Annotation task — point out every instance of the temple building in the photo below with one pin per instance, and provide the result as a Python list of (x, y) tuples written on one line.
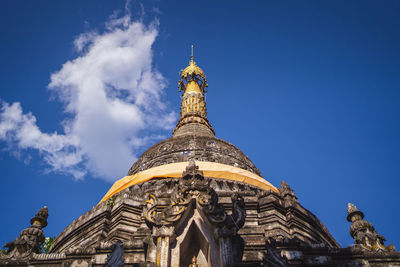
[(196, 200)]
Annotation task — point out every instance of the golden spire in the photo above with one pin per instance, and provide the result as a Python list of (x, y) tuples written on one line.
[(193, 85)]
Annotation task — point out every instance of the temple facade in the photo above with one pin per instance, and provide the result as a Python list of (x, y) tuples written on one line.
[(196, 200)]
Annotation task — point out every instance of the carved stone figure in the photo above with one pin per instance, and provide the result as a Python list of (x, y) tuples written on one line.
[(30, 239), (272, 256)]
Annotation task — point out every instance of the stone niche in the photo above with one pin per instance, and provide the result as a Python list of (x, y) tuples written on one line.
[(195, 239)]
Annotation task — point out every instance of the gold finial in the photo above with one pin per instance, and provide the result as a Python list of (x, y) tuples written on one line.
[(193, 86), (192, 73)]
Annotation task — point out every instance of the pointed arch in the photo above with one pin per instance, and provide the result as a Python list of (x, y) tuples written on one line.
[(195, 238)]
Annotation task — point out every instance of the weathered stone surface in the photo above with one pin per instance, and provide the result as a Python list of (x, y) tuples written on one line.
[(271, 228), (30, 240), (193, 147), (364, 233), (115, 258)]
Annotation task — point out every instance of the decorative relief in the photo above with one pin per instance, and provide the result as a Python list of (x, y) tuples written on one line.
[(272, 256), (165, 148), (194, 103), (193, 186), (192, 73), (168, 216), (193, 191)]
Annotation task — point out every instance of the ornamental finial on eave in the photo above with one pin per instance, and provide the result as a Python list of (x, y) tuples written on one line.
[(364, 233)]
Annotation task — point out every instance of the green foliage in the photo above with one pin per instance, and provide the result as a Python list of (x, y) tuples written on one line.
[(3, 251), (111, 201), (48, 242)]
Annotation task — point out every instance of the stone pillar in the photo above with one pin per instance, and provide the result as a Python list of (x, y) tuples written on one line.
[(225, 250), (164, 236), (225, 236)]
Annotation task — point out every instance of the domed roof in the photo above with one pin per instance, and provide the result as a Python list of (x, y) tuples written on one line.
[(193, 140), (193, 147), (193, 137)]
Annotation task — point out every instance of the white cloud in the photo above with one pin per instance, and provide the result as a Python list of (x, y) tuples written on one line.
[(112, 95)]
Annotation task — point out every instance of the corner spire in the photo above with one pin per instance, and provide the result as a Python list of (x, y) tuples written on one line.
[(364, 233), (193, 86)]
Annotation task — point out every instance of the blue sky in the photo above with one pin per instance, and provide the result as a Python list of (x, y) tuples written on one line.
[(309, 90)]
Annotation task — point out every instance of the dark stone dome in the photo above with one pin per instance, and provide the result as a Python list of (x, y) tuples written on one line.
[(193, 137), (187, 147)]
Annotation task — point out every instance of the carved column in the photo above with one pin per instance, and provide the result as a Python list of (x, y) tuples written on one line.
[(164, 237), (225, 237), (226, 225)]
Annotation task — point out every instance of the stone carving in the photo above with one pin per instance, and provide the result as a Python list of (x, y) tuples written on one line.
[(49, 256), (238, 210), (166, 217), (79, 263), (363, 232), (272, 256), (194, 186), (80, 250), (193, 189), (30, 239), (289, 197), (115, 259), (183, 193), (218, 216)]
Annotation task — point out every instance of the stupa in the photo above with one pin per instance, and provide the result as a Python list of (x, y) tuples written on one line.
[(196, 200)]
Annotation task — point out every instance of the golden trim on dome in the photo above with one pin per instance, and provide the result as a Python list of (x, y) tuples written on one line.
[(175, 170)]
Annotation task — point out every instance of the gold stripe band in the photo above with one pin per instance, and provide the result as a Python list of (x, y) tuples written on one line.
[(174, 170)]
